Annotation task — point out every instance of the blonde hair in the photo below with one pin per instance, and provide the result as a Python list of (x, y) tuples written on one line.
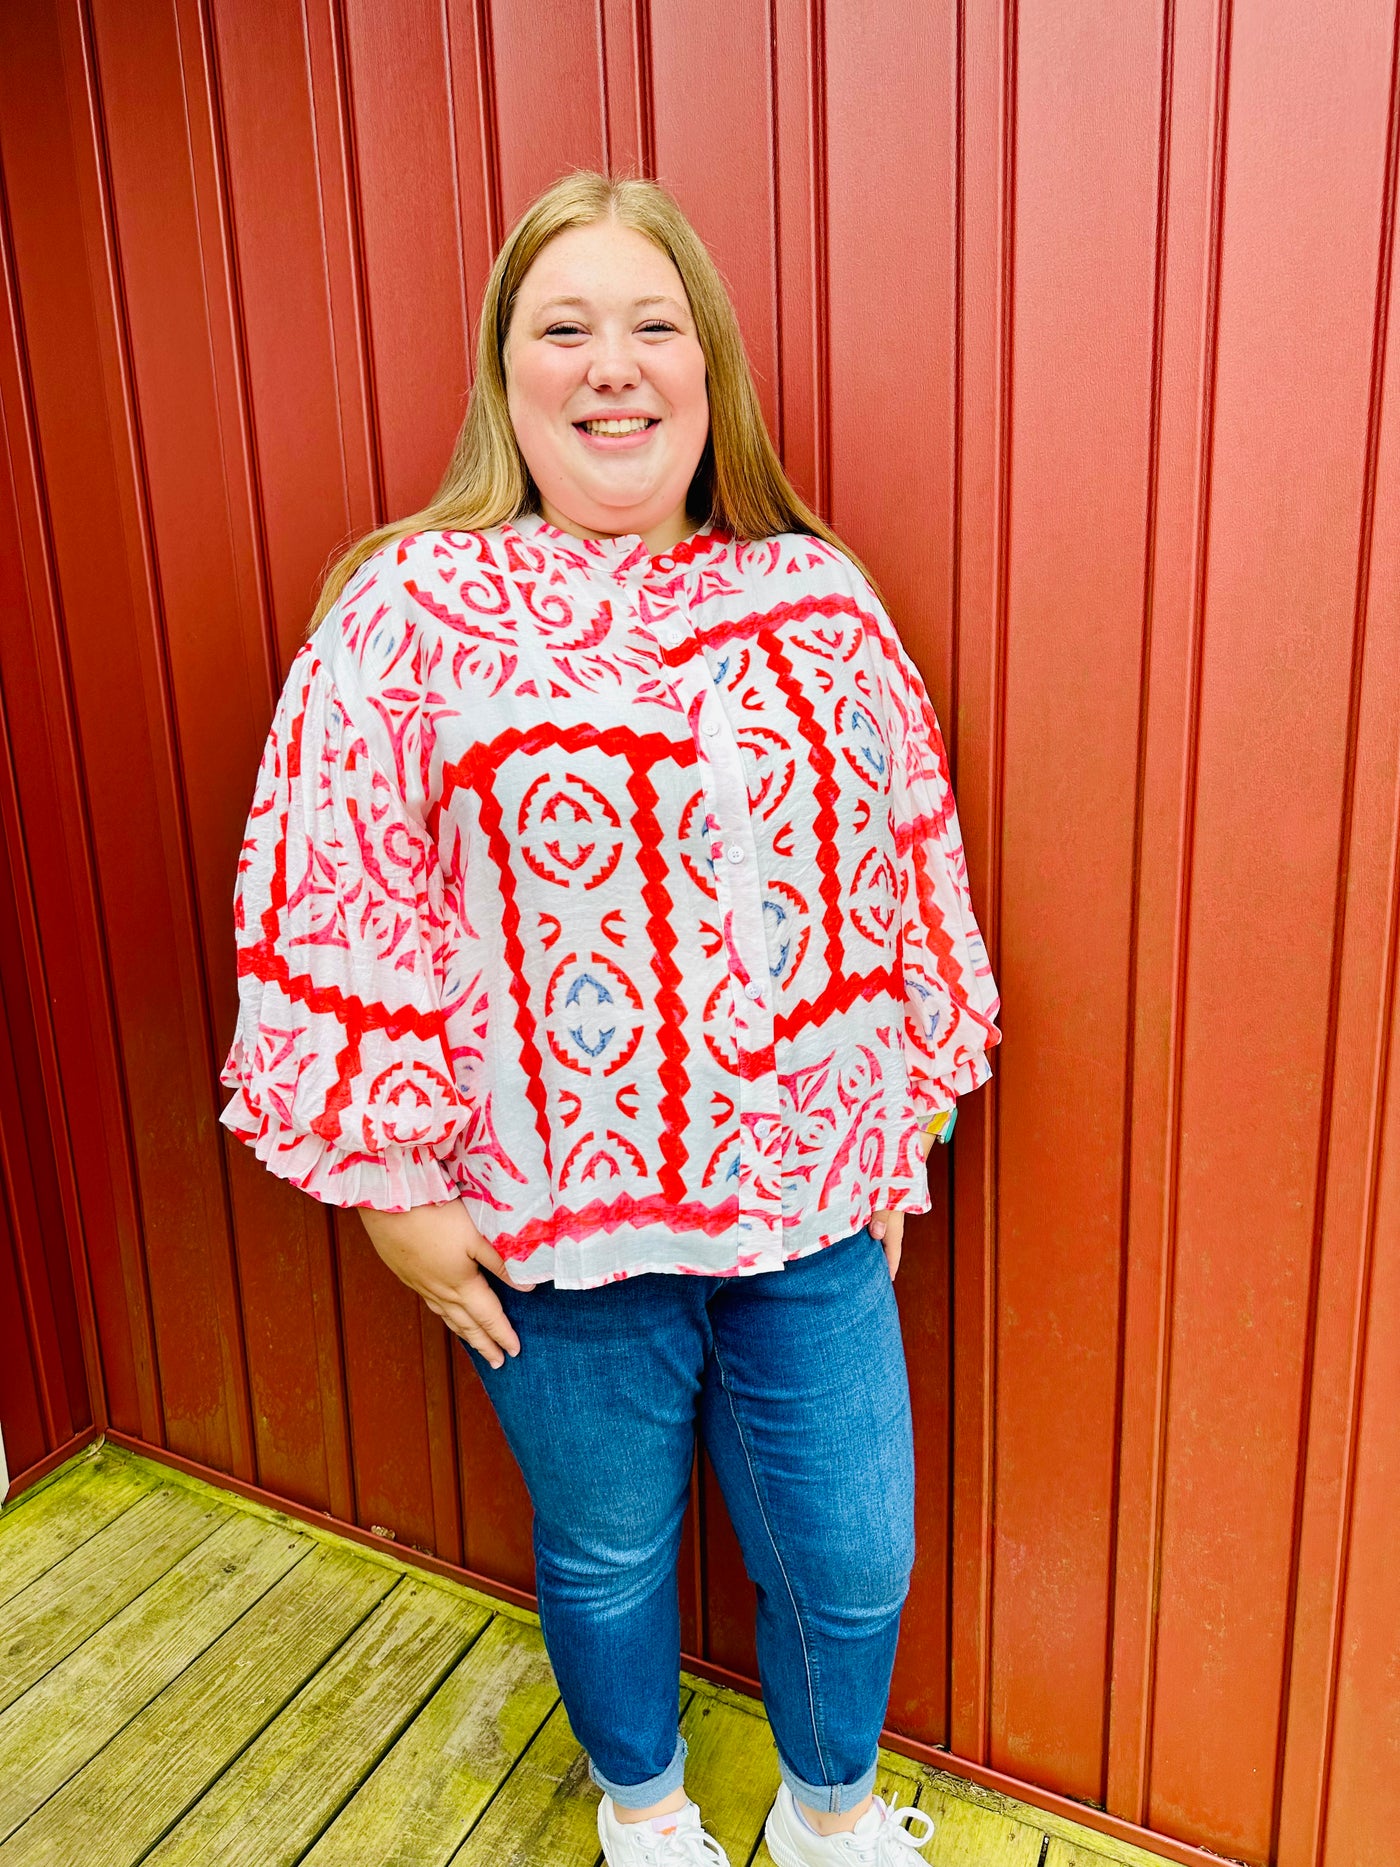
[(739, 484)]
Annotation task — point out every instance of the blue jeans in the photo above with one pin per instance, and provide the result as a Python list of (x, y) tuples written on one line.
[(796, 1379)]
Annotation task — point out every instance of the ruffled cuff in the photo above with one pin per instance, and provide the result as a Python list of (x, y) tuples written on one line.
[(394, 1181), (931, 1095)]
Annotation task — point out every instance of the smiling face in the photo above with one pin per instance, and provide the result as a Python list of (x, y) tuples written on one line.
[(602, 331)]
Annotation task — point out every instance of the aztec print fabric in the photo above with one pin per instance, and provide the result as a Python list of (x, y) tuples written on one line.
[(619, 895)]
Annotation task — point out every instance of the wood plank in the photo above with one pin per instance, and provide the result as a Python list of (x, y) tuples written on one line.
[(732, 1768), (897, 1776), (546, 1810), (74, 1710), (968, 1835), (122, 1802), (421, 1802), (46, 1524), (113, 1522), (1091, 1840), (1062, 1853), (56, 1613), (269, 1807)]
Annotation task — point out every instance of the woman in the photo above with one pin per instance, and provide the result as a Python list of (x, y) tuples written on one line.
[(604, 937)]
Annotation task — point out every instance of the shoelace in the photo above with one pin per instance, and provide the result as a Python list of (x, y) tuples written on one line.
[(685, 1846), (892, 1844)]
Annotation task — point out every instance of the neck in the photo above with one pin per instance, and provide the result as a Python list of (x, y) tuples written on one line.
[(663, 536)]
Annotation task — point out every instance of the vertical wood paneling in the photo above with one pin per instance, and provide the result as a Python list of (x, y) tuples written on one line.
[(626, 87), (550, 70), (800, 166), (44, 1397), (1297, 311), (49, 787), (729, 1607), (388, 1395), (1194, 79), (43, 1308), (1086, 212), (891, 299), (1362, 1806), (311, 491), (889, 295), (727, 182), (919, 1692), (986, 270), (404, 153), (1078, 323), (82, 555), (1353, 1811), (50, 1372), (204, 674), (495, 1503)]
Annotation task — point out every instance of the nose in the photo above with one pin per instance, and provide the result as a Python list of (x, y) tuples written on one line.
[(615, 362)]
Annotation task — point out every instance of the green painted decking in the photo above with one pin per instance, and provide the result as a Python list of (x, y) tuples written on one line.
[(187, 1678)]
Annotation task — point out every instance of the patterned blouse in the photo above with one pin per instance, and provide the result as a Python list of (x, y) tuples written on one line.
[(619, 895)]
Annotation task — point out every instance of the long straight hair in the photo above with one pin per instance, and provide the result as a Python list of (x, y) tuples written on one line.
[(739, 484)]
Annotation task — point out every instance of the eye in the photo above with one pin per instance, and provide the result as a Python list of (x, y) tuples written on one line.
[(565, 330), (658, 324)]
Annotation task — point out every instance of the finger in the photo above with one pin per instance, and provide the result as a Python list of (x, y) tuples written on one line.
[(474, 1330), (464, 1324), (894, 1250), (476, 1337), (483, 1307), (880, 1223), (474, 1312)]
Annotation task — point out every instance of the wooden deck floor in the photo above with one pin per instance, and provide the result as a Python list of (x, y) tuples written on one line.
[(187, 1678)]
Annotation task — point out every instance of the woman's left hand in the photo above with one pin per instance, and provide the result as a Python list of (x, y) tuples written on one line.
[(888, 1226)]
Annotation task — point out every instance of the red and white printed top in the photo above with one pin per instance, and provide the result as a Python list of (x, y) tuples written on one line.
[(621, 896)]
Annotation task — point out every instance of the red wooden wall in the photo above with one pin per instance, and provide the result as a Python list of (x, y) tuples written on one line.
[(1078, 320)]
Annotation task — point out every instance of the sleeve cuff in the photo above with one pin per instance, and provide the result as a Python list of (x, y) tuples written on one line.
[(935, 1095), (394, 1181)]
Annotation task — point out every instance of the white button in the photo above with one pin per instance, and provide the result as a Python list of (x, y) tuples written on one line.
[(673, 638), (711, 726), (753, 990), (665, 564), (735, 852)]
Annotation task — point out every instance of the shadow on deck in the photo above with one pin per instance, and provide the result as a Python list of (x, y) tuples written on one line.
[(189, 1678)]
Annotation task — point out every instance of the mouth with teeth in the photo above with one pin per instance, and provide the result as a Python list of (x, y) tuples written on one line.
[(614, 431)]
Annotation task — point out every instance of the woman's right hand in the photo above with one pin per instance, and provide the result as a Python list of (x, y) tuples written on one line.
[(438, 1252)]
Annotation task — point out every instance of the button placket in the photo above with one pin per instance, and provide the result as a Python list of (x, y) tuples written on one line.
[(738, 872), (739, 886)]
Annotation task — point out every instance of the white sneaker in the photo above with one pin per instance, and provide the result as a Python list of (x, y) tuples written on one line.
[(638, 1844), (881, 1838)]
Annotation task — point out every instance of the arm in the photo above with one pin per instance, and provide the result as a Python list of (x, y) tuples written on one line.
[(951, 998), (347, 1069)]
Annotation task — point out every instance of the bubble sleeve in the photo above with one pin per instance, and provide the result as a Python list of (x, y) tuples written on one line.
[(951, 999), (344, 1077)]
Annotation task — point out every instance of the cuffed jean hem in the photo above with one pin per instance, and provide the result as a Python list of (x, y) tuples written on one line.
[(642, 1795), (827, 1798)]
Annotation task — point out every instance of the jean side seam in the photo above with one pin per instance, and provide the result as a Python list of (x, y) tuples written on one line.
[(777, 1557)]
